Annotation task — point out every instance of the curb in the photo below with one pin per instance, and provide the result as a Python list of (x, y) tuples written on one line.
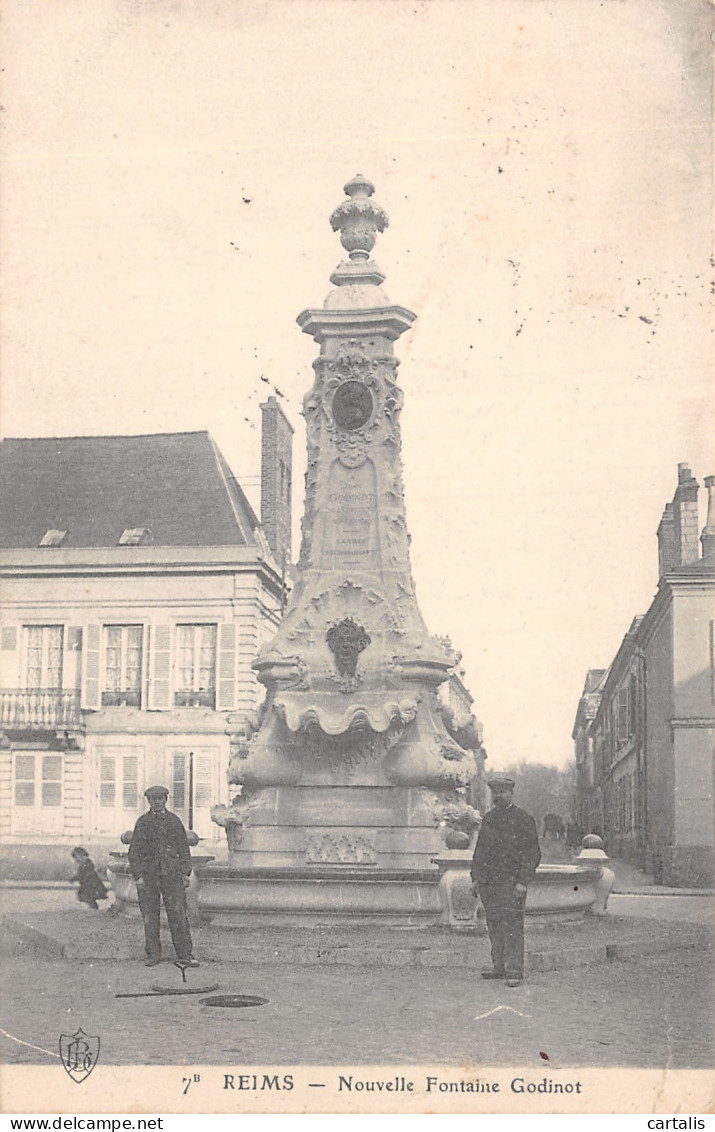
[(657, 891), (629, 949), (22, 940), (31, 885)]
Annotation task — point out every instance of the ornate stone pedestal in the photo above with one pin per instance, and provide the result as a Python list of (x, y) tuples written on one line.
[(350, 765), (593, 855)]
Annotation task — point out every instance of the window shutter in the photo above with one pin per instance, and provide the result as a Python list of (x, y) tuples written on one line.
[(179, 783), (203, 781), (9, 638), (9, 668), (623, 713), (160, 679), (107, 780), (130, 786), (226, 683), (90, 657)]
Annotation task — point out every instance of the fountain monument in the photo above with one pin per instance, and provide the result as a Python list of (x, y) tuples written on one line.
[(348, 779)]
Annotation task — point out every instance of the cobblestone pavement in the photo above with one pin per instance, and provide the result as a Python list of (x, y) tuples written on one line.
[(654, 1011)]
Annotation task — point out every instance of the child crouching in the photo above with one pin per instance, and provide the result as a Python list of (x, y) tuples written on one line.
[(91, 888)]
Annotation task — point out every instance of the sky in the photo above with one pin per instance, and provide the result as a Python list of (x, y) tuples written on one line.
[(546, 167)]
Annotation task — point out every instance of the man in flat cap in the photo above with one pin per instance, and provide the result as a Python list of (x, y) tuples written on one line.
[(160, 862), (505, 860)]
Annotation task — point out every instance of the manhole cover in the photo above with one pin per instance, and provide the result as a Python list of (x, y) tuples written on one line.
[(233, 1000)]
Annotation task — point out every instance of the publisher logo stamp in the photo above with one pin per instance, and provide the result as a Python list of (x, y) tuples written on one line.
[(79, 1053)]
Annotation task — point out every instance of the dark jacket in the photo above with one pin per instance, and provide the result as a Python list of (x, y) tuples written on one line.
[(91, 887), (507, 850), (159, 848)]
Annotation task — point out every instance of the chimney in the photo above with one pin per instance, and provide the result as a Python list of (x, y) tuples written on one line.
[(276, 478), (707, 538), (685, 515), (666, 541)]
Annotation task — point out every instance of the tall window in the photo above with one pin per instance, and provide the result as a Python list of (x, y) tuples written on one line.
[(122, 665), (43, 667), (37, 793), (38, 780), (196, 666), (119, 788), (622, 717), (118, 784), (632, 705), (194, 779)]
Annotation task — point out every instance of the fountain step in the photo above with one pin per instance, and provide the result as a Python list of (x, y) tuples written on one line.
[(67, 935)]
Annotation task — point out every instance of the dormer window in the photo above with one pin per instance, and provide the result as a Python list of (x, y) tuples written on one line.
[(53, 538), (133, 536)]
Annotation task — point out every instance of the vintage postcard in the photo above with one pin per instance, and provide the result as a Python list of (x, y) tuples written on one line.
[(357, 558)]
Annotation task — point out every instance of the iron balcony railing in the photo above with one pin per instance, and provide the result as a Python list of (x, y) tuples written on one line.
[(199, 697), (38, 708), (130, 698)]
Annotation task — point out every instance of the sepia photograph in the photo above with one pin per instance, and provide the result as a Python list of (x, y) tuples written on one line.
[(357, 558)]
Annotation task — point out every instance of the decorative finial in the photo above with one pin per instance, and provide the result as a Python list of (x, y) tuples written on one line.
[(359, 219)]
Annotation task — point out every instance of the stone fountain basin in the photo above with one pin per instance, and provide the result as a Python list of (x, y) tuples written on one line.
[(565, 890), (124, 884), (556, 892)]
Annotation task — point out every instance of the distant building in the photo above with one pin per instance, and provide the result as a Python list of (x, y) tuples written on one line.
[(137, 589), (588, 815), (645, 729)]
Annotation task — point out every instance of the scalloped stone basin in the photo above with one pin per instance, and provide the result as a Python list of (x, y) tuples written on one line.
[(567, 892)]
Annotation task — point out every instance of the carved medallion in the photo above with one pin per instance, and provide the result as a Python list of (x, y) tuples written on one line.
[(352, 405)]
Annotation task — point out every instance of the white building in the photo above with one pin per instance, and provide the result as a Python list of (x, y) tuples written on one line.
[(645, 729), (137, 589)]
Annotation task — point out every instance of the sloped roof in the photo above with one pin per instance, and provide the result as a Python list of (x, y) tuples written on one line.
[(177, 485), (594, 676), (590, 699)]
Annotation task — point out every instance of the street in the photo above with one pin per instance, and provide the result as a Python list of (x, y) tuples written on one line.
[(651, 1010)]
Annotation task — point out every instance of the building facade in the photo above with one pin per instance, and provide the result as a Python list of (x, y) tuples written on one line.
[(645, 730), (589, 817), (137, 589)]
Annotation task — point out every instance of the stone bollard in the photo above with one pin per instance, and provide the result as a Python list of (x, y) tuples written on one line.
[(192, 900), (592, 852)]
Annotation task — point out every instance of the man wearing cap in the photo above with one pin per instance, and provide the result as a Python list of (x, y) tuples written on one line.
[(160, 862), (505, 860)]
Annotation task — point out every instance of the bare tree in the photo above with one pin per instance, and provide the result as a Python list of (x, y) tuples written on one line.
[(542, 790)]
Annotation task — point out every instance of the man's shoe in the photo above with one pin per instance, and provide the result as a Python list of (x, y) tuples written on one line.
[(190, 962), (152, 960), (513, 982), (493, 974)]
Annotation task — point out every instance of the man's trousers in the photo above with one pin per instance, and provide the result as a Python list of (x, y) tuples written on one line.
[(174, 894), (505, 924)]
